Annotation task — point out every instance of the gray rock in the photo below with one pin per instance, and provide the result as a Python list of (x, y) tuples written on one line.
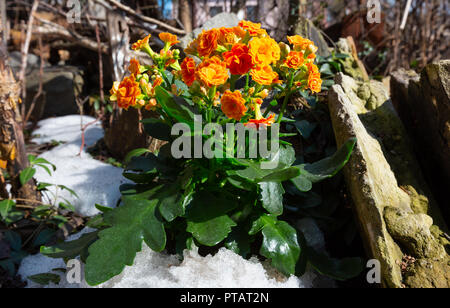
[(384, 178), (423, 103), (306, 28), (61, 86)]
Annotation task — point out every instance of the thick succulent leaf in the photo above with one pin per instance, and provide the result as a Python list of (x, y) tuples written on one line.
[(171, 201), (281, 246), (302, 183), (271, 196), (330, 166), (157, 128), (117, 246), (239, 242), (207, 218), (176, 107), (282, 175)]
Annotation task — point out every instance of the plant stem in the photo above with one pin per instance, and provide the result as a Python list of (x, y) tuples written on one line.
[(286, 98)]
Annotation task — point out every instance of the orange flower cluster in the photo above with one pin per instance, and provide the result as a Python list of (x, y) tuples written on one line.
[(216, 59)]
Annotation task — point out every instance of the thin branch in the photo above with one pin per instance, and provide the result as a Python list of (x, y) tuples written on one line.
[(130, 11), (26, 46)]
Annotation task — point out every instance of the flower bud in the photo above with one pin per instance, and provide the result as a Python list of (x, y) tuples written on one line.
[(285, 50), (264, 93)]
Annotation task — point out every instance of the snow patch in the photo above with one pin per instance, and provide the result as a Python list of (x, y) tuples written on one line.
[(93, 181)]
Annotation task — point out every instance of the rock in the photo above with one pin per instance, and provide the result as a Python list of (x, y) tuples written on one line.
[(429, 274), (423, 104), (15, 61), (352, 66), (61, 86), (392, 200), (306, 28), (412, 231), (220, 20)]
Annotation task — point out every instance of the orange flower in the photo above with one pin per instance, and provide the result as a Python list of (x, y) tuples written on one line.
[(233, 105), (3, 164), (312, 68), (268, 122), (141, 44), (300, 42), (168, 38), (127, 92), (207, 42), (252, 28), (295, 59), (315, 82), (227, 37), (264, 51), (264, 75), (238, 60), (212, 72), (158, 81), (188, 71), (134, 67), (151, 104)]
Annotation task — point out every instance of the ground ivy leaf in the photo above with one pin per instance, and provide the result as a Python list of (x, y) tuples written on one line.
[(117, 246), (272, 197), (281, 246)]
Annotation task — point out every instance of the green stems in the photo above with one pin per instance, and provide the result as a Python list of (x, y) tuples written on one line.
[(286, 98)]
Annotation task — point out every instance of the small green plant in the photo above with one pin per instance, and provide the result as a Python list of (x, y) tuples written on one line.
[(48, 215)]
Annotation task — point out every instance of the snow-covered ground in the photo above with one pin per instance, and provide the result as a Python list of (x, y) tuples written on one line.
[(93, 181), (98, 183)]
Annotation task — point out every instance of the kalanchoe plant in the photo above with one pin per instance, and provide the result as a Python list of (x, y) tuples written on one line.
[(232, 202)]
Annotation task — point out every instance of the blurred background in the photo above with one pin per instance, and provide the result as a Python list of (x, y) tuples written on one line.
[(76, 48)]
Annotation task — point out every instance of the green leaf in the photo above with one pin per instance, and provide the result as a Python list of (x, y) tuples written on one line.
[(302, 183), (305, 128), (158, 129), (71, 249), (5, 207), (281, 246), (14, 239), (330, 166), (26, 175), (282, 175), (43, 186), (45, 279), (175, 107), (239, 242), (136, 153), (117, 246), (207, 218), (170, 202), (73, 193), (337, 269), (143, 164), (272, 197), (43, 237), (103, 209), (287, 156)]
